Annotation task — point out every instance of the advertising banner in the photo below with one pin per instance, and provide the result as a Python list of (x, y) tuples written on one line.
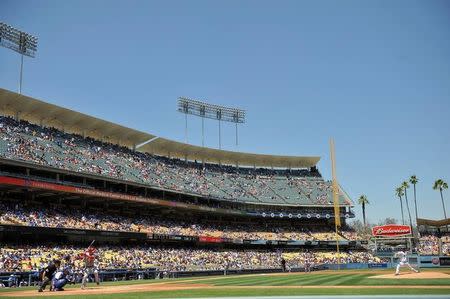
[(391, 230), (377, 265), (206, 239)]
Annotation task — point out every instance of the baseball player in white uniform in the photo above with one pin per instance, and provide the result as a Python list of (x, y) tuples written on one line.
[(403, 262)]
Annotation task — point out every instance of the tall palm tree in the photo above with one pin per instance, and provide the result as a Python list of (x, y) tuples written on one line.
[(414, 180), (441, 185), (399, 192), (363, 202), (405, 186)]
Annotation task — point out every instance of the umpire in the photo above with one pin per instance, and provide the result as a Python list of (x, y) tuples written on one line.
[(47, 274), (283, 264)]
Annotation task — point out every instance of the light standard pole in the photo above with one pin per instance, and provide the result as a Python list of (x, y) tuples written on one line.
[(211, 111), (20, 42)]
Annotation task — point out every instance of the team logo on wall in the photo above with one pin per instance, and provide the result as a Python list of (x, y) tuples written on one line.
[(391, 230)]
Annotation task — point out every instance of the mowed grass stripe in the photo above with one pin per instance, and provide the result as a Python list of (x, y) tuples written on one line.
[(293, 280), (283, 280), (320, 280), (379, 281), (265, 280), (303, 279), (286, 280), (353, 279), (254, 280), (245, 281), (234, 281)]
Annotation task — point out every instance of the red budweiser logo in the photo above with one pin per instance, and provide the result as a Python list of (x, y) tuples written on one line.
[(391, 230)]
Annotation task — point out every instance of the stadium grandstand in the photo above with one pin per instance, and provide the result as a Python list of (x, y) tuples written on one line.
[(159, 163), (67, 178)]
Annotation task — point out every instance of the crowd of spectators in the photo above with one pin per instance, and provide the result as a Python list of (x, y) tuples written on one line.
[(353, 236), (331, 257), (316, 191), (18, 214), (33, 258), (21, 140), (431, 244)]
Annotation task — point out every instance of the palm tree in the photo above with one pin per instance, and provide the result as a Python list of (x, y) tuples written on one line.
[(441, 185), (399, 193), (405, 186), (363, 201), (414, 180)]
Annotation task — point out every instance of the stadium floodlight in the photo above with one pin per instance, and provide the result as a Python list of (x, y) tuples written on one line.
[(20, 42), (211, 111)]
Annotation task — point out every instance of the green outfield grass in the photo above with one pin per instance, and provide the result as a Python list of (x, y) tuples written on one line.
[(247, 292), (327, 279), (283, 285)]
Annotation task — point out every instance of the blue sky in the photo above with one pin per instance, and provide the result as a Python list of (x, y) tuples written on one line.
[(375, 75)]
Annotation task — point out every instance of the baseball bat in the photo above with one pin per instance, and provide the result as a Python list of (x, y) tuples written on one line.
[(92, 243)]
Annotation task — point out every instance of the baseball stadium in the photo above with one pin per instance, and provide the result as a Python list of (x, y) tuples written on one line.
[(156, 218), (91, 208)]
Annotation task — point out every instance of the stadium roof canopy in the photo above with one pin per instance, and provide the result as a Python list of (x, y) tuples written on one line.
[(433, 223), (49, 115)]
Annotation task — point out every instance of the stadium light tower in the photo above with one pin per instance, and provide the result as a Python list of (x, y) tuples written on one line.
[(205, 110), (19, 41)]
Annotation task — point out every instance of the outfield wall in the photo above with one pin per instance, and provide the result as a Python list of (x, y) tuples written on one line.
[(434, 261), (358, 266)]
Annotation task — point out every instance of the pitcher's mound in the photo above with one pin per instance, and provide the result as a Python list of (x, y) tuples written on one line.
[(413, 275)]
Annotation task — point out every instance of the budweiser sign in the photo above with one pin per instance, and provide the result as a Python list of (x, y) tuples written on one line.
[(391, 230)]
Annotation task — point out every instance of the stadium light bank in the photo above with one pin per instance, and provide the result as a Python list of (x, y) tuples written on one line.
[(20, 42), (211, 111)]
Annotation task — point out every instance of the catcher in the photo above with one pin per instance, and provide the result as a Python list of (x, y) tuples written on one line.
[(61, 278)]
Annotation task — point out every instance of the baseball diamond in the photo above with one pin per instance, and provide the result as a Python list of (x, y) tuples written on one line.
[(343, 282)]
